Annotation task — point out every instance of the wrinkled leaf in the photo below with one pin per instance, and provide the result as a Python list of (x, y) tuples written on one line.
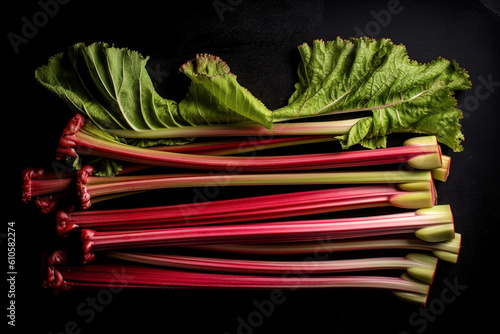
[(215, 97), (112, 87), (365, 74)]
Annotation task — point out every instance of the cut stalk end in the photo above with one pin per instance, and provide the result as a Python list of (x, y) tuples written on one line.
[(425, 268), (446, 256), (426, 161), (416, 186), (413, 297), (440, 213), (442, 173), (450, 250), (436, 233), (429, 160), (413, 200), (443, 230)]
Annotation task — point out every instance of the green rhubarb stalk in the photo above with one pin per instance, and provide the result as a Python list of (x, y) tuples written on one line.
[(446, 250), (88, 191)]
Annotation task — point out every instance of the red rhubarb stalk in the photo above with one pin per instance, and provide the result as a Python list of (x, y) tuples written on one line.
[(228, 147), (433, 224), (62, 278), (38, 182), (245, 209)]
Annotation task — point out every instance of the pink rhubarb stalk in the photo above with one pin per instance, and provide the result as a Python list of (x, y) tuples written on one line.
[(422, 153), (420, 266), (245, 209), (432, 224)]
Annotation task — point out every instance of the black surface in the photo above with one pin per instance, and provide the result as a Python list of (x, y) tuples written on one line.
[(258, 40)]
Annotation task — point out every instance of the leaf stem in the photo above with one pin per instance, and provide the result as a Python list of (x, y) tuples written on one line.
[(242, 129)]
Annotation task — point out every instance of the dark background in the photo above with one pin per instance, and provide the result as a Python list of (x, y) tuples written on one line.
[(258, 40)]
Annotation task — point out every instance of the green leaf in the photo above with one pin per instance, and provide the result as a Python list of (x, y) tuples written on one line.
[(362, 74), (112, 87), (215, 96)]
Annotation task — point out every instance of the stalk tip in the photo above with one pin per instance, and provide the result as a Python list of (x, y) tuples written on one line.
[(413, 297), (443, 230), (446, 256), (421, 141), (55, 281), (437, 233), (53, 278), (442, 173), (413, 200), (429, 160), (86, 236), (63, 226), (57, 257), (47, 204), (416, 186), (66, 146), (441, 212), (452, 250), (425, 267), (81, 186), (28, 175)]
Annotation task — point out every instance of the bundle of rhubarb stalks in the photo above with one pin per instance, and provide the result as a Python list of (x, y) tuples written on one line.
[(344, 218)]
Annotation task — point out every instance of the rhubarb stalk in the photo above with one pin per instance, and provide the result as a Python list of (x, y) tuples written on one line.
[(446, 250), (245, 209), (432, 224), (421, 152), (420, 266), (89, 187), (64, 277)]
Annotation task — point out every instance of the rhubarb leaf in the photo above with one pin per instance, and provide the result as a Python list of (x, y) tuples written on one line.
[(112, 87), (215, 97), (362, 74)]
